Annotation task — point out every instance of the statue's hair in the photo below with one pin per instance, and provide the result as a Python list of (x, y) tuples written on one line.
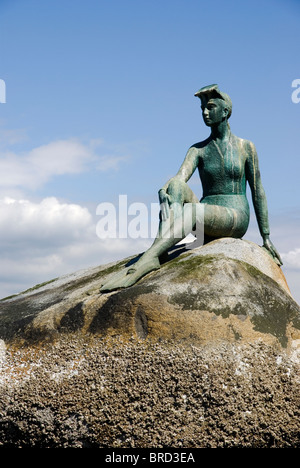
[(213, 92), (228, 103)]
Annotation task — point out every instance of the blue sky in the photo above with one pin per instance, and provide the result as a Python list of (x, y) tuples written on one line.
[(100, 102)]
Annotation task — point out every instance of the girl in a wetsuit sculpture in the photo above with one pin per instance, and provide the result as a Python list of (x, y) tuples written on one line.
[(225, 164)]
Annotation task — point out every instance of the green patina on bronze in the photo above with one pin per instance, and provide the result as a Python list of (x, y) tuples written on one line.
[(226, 164)]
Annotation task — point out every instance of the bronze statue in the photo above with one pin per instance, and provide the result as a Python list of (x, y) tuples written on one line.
[(225, 164)]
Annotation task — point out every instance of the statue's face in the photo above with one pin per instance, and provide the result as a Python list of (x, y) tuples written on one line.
[(214, 111)]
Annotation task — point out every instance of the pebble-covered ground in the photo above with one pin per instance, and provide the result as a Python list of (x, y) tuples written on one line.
[(91, 392)]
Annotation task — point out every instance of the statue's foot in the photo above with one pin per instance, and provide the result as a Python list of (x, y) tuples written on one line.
[(131, 275)]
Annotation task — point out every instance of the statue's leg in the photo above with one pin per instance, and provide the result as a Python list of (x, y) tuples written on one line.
[(185, 212)]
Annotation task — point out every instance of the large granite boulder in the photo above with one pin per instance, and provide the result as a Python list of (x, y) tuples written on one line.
[(228, 290), (201, 353)]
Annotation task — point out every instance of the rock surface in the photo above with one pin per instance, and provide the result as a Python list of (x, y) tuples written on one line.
[(201, 353)]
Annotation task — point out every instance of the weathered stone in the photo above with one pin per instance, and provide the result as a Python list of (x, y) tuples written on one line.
[(229, 289), (248, 252)]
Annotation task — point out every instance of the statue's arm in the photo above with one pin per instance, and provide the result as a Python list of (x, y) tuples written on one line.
[(185, 172), (187, 168), (259, 199), (257, 191)]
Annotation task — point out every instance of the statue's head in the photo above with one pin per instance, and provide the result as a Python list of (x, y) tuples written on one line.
[(212, 99)]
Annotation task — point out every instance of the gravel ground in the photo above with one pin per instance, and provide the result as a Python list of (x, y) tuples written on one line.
[(91, 392)]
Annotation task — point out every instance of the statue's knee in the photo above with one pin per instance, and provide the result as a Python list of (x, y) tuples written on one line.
[(176, 189)]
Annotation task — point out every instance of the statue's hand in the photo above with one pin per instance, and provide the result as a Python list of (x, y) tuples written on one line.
[(164, 200), (272, 249)]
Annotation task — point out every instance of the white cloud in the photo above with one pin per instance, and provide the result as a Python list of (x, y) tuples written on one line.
[(46, 239), (109, 162), (32, 169), (23, 221), (60, 157), (35, 168), (291, 259)]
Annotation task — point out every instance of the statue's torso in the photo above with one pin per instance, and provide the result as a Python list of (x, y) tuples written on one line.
[(222, 170), (223, 174)]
